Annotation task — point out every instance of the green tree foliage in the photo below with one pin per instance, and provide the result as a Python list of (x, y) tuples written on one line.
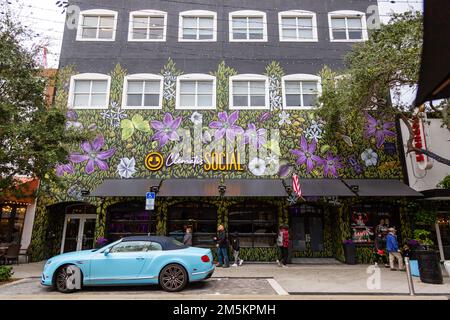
[(390, 59), (33, 136)]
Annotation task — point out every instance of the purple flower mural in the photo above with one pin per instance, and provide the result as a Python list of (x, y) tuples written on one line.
[(226, 126), (355, 164), (265, 116), (378, 129), (306, 155), (257, 137), (93, 154), (331, 164), (62, 169), (166, 130)]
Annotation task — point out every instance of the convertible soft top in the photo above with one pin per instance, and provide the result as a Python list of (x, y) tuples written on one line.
[(166, 243)]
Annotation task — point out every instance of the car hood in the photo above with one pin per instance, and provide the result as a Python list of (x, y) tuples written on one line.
[(73, 255)]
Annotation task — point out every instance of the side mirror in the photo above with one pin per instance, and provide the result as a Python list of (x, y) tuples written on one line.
[(106, 252)]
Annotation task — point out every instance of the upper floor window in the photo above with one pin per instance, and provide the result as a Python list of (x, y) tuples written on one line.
[(297, 26), (248, 25), (197, 25), (142, 91), (89, 91), (249, 91), (300, 91), (347, 26), (97, 25), (147, 25), (196, 91)]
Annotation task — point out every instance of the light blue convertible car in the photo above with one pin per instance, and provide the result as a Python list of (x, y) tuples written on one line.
[(139, 260)]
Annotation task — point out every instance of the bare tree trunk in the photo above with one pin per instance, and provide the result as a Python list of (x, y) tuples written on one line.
[(410, 146)]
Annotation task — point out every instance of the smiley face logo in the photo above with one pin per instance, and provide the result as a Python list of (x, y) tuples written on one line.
[(154, 161)]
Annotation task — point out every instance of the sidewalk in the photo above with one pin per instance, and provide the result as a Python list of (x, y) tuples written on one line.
[(309, 279)]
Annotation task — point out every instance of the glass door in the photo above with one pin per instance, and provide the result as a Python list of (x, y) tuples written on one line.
[(78, 233), (307, 228)]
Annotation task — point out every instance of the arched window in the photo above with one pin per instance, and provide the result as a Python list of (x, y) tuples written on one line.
[(198, 26), (147, 25), (142, 91), (255, 224), (129, 218), (347, 26), (97, 25), (196, 91), (300, 91), (200, 216), (249, 91), (89, 91), (247, 26), (297, 26)]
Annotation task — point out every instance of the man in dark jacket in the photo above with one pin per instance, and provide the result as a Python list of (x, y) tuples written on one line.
[(235, 245), (222, 247)]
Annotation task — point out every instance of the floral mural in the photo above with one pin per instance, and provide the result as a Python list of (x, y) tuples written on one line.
[(131, 134)]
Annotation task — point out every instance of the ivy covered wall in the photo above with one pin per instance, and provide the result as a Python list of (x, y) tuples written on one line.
[(123, 137)]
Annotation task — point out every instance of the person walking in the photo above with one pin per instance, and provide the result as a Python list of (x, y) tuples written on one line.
[(280, 245), (393, 250), (187, 240), (222, 247), (235, 245), (285, 248), (283, 245)]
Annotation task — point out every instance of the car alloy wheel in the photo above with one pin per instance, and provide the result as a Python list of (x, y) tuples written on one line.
[(64, 276), (173, 278)]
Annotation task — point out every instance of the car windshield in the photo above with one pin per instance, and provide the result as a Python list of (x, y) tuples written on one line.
[(107, 245)]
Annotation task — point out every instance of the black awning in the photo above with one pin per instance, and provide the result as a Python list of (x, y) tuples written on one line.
[(254, 188), (125, 187), (323, 188), (381, 188), (434, 79), (189, 188), (436, 194)]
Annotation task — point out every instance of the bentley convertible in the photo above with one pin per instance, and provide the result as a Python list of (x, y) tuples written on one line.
[(142, 260)]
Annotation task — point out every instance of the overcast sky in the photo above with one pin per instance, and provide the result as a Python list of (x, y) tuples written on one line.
[(46, 19)]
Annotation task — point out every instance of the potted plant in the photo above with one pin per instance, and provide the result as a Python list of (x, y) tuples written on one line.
[(350, 252)]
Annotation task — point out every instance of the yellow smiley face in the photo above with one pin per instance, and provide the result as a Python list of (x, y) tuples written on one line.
[(154, 161)]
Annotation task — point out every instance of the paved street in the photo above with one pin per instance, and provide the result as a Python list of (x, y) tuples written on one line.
[(254, 281)]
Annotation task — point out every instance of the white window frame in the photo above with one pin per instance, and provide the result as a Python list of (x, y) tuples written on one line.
[(249, 77), (300, 77), (197, 14), (247, 14), (96, 12), (298, 14), (90, 77), (196, 77), (147, 13), (142, 77), (348, 14)]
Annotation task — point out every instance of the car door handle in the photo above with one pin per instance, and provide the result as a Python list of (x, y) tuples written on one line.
[(140, 258)]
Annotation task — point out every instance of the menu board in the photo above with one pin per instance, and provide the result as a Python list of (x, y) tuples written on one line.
[(362, 228)]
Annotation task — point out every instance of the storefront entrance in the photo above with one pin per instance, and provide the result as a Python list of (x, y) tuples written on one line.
[(79, 228), (307, 228)]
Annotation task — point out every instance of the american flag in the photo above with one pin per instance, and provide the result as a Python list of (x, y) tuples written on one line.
[(296, 185)]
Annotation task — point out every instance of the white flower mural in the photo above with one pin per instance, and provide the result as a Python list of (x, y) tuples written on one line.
[(257, 166), (284, 118), (197, 118), (126, 167), (369, 157)]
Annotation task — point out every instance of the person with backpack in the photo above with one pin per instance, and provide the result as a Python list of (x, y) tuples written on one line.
[(235, 245)]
